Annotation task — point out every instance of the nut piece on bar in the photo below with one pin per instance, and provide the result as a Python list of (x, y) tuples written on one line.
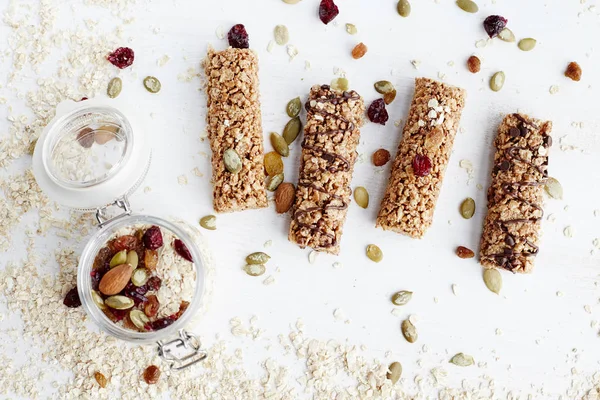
[(418, 169), (512, 227), (234, 122), (331, 136)]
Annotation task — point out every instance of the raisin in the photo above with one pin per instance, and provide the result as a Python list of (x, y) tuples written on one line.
[(85, 137), (494, 24), (474, 64), (153, 238), (182, 250), (154, 283), (377, 112), (359, 51), (151, 259), (182, 307), (238, 37), (102, 258), (136, 293), (121, 57), (464, 252), (151, 375), (72, 299), (273, 163), (421, 165), (328, 11), (101, 379), (127, 242), (160, 323), (573, 71), (151, 306), (381, 157)]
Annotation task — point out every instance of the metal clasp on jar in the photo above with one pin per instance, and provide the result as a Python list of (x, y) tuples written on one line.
[(182, 352), (122, 203)]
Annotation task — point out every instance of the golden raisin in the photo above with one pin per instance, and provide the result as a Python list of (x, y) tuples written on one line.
[(463, 252), (381, 157), (152, 375), (573, 71), (101, 379), (273, 163), (359, 51), (474, 64), (151, 259)]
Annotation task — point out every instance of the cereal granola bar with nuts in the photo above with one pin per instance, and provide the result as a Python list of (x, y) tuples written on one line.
[(418, 169), (511, 229), (234, 126), (331, 136)]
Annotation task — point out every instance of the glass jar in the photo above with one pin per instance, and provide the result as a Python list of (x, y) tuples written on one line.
[(89, 158)]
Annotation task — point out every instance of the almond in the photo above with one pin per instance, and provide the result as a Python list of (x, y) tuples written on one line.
[(284, 197), (116, 279)]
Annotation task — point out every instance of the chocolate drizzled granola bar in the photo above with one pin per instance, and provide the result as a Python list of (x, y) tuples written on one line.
[(511, 229), (409, 201), (234, 121), (331, 136)]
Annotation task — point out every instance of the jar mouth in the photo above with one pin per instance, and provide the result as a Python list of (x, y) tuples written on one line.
[(87, 147), (84, 281)]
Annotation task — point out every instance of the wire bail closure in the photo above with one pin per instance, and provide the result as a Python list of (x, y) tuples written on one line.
[(103, 219), (187, 341)]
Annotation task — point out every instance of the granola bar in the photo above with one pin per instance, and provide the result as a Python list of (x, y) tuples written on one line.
[(512, 226), (418, 169), (234, 121), (331, 136)]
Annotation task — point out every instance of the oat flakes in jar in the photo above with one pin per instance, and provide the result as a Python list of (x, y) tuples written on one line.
[(141, 278)]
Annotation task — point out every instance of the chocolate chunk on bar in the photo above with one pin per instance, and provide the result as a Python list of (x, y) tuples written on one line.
[(331, 136), (418, 169), (511, 229), (234, 122)]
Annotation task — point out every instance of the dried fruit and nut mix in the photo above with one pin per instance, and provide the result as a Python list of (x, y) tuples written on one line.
[(143, 279)]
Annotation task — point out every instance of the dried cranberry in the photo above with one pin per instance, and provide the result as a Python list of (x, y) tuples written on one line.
[(377, 112), (421, 165), (328, 11), (154, 283), (160, 323), (83, 99), (238, 37), (494, 24), (136, 293), (97, 275), (121, 57), (182, 250), (72, 298), (153, 238), (118, 314)]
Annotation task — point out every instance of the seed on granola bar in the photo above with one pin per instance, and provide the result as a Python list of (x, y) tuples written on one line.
[(273, 182), (293, 107), (573, 71), (101, 379), (114, 87), (209, 222), (273, 163), (401, 298), (118, 259), (257, 258), (292, 130), (85, 137), (152, 375), (497, 81), (138, 318), (493, 280), (359, 51), (403, 8), (409, 331), (280, 145), (119, 302), (554, 188), (282, 35), (152, 84), (255, 269), (361, 196), (507, 35), (374, 253), (467, 208), (340, 84), (232, 161), (463, 252), (394, 372), (474, 64), (527, 44), (467, 5), (381, 157), (351, 29)]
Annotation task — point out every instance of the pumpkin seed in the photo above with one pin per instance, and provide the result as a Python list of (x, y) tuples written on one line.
[(132, 259), (554, 188), (467, 208), (138, 318), (293, 107), (98, 300), (394, 372), (340, 84), (209, 222), (497, 81), (493, 280), (527, 44), (351, 29), (152, 84), (118, 259), (279, 144), (507, 35), (140, 276), (401, 298), (274, 182), (389, 97), (374, 253), (232, 161), (119, 302), (467, 5), (257, 258), (462, 360), (255, 269), (361, 196), (383, 87), (292, 130), (282, 35), (114, 87), (404, 8), (409, 331)]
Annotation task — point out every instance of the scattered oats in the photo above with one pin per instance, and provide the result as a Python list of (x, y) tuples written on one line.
[(338, 314), (596, 213), (312, 256), (441, 75), (468, 167), (197, 172), (554, 89), (270, 46), (413, 319), (415, 63), (337, 265), (147, 189), (220, 32), (307, 65), (161, 62), (551, 217), (397, 123), (268, 243), (569, 231), (292, 51), (479, 186), (182, 180), (498, 331), (559, 294), (587, 309), (396, 312), (269, 280), (455, 289), (436, 300), (481, 43)]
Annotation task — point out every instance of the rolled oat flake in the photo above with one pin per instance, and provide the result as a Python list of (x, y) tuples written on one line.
[(340, 84), (152, 84)]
